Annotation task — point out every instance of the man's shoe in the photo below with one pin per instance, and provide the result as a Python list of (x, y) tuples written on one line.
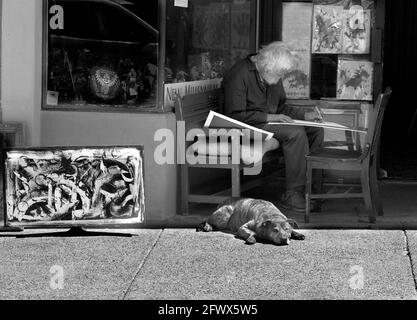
[(293, 200)]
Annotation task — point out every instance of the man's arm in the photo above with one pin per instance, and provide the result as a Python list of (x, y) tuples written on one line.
[(283, 108), (279, 118), (235, 88)]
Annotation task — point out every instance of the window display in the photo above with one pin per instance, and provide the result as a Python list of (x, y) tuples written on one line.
[(106, 55), (206, 38), (101, 54)]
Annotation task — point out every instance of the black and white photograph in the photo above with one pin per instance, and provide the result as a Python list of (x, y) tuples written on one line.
[(208, 158)]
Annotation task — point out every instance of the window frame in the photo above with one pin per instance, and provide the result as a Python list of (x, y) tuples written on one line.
[(159, 107), (159, 104)]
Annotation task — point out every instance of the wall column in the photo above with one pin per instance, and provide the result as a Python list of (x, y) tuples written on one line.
[(21, 65)]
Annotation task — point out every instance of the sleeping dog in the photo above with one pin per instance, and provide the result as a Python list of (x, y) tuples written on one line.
[(251, 219)]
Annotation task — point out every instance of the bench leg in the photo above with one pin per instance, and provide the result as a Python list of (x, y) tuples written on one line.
[(366, 191), (309, 175), (375, 196), (236, 181), (185, 190)]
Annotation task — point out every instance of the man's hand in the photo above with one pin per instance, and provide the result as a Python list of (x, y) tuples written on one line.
[(279, 118), (313, 116)]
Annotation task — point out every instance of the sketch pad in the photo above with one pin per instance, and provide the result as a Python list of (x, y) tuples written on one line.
[(328, 125), (217, 120)]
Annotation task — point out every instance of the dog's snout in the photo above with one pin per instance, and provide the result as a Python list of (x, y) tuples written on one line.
[(282, 241)]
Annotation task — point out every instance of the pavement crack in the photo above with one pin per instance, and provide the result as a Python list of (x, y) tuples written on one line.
[(140, 267), (407, 252)]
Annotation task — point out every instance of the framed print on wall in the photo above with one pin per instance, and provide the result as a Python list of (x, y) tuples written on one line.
[(354, 80)]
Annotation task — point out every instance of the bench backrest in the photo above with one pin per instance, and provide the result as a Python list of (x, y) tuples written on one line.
[(194, 108)]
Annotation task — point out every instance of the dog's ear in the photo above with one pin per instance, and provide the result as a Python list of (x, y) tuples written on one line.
[(226, 209), (292, 223)]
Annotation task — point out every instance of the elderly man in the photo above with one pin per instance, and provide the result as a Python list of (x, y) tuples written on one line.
[(254, 94)]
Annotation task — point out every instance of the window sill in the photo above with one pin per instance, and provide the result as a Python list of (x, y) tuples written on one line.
[(105, 108)]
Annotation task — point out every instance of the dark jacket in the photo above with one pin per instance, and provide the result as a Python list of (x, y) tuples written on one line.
[(248, 99)]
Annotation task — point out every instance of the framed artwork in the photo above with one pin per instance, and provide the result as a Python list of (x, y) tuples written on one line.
[(354, 80), (297, 82), (73, 186), (346, 4), (357, 32), (296, 32), (327, 29), (341, 31)]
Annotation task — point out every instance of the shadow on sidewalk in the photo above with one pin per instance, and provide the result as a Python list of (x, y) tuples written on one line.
[(73, 232)]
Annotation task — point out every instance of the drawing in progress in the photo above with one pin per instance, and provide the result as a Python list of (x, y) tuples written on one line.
[(53, 185), (354, 80), (324, 124)]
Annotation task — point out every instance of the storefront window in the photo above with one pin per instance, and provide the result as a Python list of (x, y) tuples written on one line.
[(207, 37), (204, 39), (101, 54)]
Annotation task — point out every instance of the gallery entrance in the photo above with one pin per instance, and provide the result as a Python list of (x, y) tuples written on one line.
[(399, 131)]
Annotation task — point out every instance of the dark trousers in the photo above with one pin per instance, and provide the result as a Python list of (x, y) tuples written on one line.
[(296, 143)]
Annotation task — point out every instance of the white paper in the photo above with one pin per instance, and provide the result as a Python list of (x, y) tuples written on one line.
[(171, 90), (218, 120), (181, 3), (52, 98)]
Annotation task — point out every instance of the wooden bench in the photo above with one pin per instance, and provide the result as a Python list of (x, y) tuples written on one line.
[(192, 110)]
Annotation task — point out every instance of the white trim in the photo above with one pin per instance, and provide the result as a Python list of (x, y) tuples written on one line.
[(235, 124), (328, 125)]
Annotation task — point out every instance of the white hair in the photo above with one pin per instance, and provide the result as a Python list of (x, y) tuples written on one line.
[(275, 58)]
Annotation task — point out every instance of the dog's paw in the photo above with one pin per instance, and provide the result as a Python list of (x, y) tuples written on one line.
[(297, 236), (293, 223), (251, 240), (205, 227)]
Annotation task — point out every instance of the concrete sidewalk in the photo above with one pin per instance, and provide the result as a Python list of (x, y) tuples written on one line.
[(184, 264)]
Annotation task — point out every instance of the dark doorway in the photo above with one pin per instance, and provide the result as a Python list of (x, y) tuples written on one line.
[(399, 131)]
